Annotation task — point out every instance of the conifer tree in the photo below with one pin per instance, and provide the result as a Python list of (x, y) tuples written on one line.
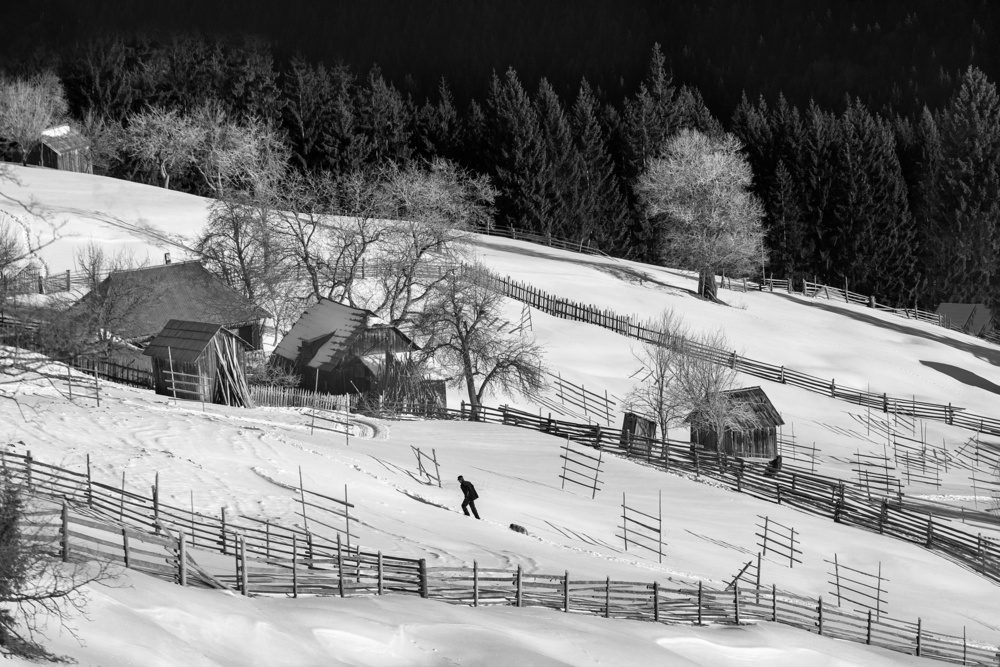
[(966, 201), (601, 200), (563, 173), (437, 130), (514, 153), (383, 120)]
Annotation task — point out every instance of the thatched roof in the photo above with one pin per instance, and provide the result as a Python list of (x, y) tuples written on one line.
[(974, 318), (182, 341), (64, 139), (765, 414), (151, 296)]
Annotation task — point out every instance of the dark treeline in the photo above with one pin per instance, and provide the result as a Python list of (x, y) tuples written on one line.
[(873, 142)]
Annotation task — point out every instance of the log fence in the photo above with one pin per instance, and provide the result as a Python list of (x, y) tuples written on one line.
[(288, 561)]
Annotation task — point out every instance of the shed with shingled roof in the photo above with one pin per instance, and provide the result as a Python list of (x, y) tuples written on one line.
[(754, 433), (340, 349), (136, 304), (62, 148), (200, 361)]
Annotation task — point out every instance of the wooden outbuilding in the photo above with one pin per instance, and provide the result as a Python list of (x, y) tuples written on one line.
[(339, 349), (972, 318), (756, 436), (62, 148), (136, 304), (636, 427), (198, 361)]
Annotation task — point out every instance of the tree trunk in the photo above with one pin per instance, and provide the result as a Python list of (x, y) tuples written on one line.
[(706, 285)]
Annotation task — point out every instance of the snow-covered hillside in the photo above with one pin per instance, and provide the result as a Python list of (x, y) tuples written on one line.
[(240, 459)]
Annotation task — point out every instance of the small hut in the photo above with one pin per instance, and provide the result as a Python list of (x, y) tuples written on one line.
[(339, 349), (972, 318), (62, 148), (199, 361), (756, 437), (636, 427)]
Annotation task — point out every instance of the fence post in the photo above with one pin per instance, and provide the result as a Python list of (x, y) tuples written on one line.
[(774, 603), (295, 571), (156, 503), (918, 637), (27, 469), (340, 568), (883, 516), (566, 592), (244, 577), (475, 583), (90, 487), (125, 548), (423, 577), (518, 591), (224, 531), (736, 601), (868, 632), (182, 576), (656, 601), (819, 611), (65, 532), (930, 531), (607, 598), (699, 602)]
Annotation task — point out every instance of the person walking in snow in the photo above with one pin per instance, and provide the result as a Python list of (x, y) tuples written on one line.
[(470, 494)]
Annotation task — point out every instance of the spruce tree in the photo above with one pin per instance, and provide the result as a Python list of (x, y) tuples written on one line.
[(563, 174), (605, 213), (966, 202)]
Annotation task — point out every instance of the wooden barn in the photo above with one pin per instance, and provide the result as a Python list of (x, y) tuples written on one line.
[(62, 148), (338, 349), (972, 318), (137, 304), (757, 437), (198, 361), (636, 427)]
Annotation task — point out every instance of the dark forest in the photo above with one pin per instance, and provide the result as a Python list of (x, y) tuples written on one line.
[(873, 129)]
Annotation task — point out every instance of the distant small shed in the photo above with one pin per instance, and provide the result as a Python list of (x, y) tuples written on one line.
[(63, 148), (757, 437), (199, 361), (636, 427), (972, 318)]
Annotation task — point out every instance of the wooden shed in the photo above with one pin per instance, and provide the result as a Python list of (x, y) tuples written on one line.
[(972, 318), (756, 437), (135, 304), (63, 148), (199, 361), (339, 349)]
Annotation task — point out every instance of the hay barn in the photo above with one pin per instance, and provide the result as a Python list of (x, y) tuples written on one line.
[(62, 148), (137, 304), (757, 438), (339, 349), (198, 361)]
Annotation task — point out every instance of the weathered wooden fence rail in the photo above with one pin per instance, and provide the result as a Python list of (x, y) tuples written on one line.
[(146, 535)]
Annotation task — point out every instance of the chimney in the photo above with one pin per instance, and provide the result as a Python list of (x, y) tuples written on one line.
[(166, 258)]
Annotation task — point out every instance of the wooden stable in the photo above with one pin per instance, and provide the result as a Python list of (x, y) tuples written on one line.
[(756, 438), (198, 361), (62, 148)]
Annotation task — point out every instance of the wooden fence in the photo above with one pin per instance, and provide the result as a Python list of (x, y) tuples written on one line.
[(630, 327), (104, 522)]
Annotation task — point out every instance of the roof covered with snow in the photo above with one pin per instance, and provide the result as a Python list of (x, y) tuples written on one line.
[(64, 139)]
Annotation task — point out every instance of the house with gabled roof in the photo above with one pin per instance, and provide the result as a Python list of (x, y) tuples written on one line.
[(136, 304), (62, 148), (755, 435), (339, 349)]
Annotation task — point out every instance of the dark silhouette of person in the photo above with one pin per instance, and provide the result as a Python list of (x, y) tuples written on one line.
[(470, 494)]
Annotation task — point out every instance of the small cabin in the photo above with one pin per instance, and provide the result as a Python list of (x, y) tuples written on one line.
[(199, 361), (136, 304), (636, 428), (339, 349), (62, 148), (755, 436), (972, 318)]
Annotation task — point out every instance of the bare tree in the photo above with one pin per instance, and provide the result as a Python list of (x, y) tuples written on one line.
[(113, 297), (162, 142), (679, 378), (698, 193), (35, 586), (466, 331), (247, 155), (28, 106)]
